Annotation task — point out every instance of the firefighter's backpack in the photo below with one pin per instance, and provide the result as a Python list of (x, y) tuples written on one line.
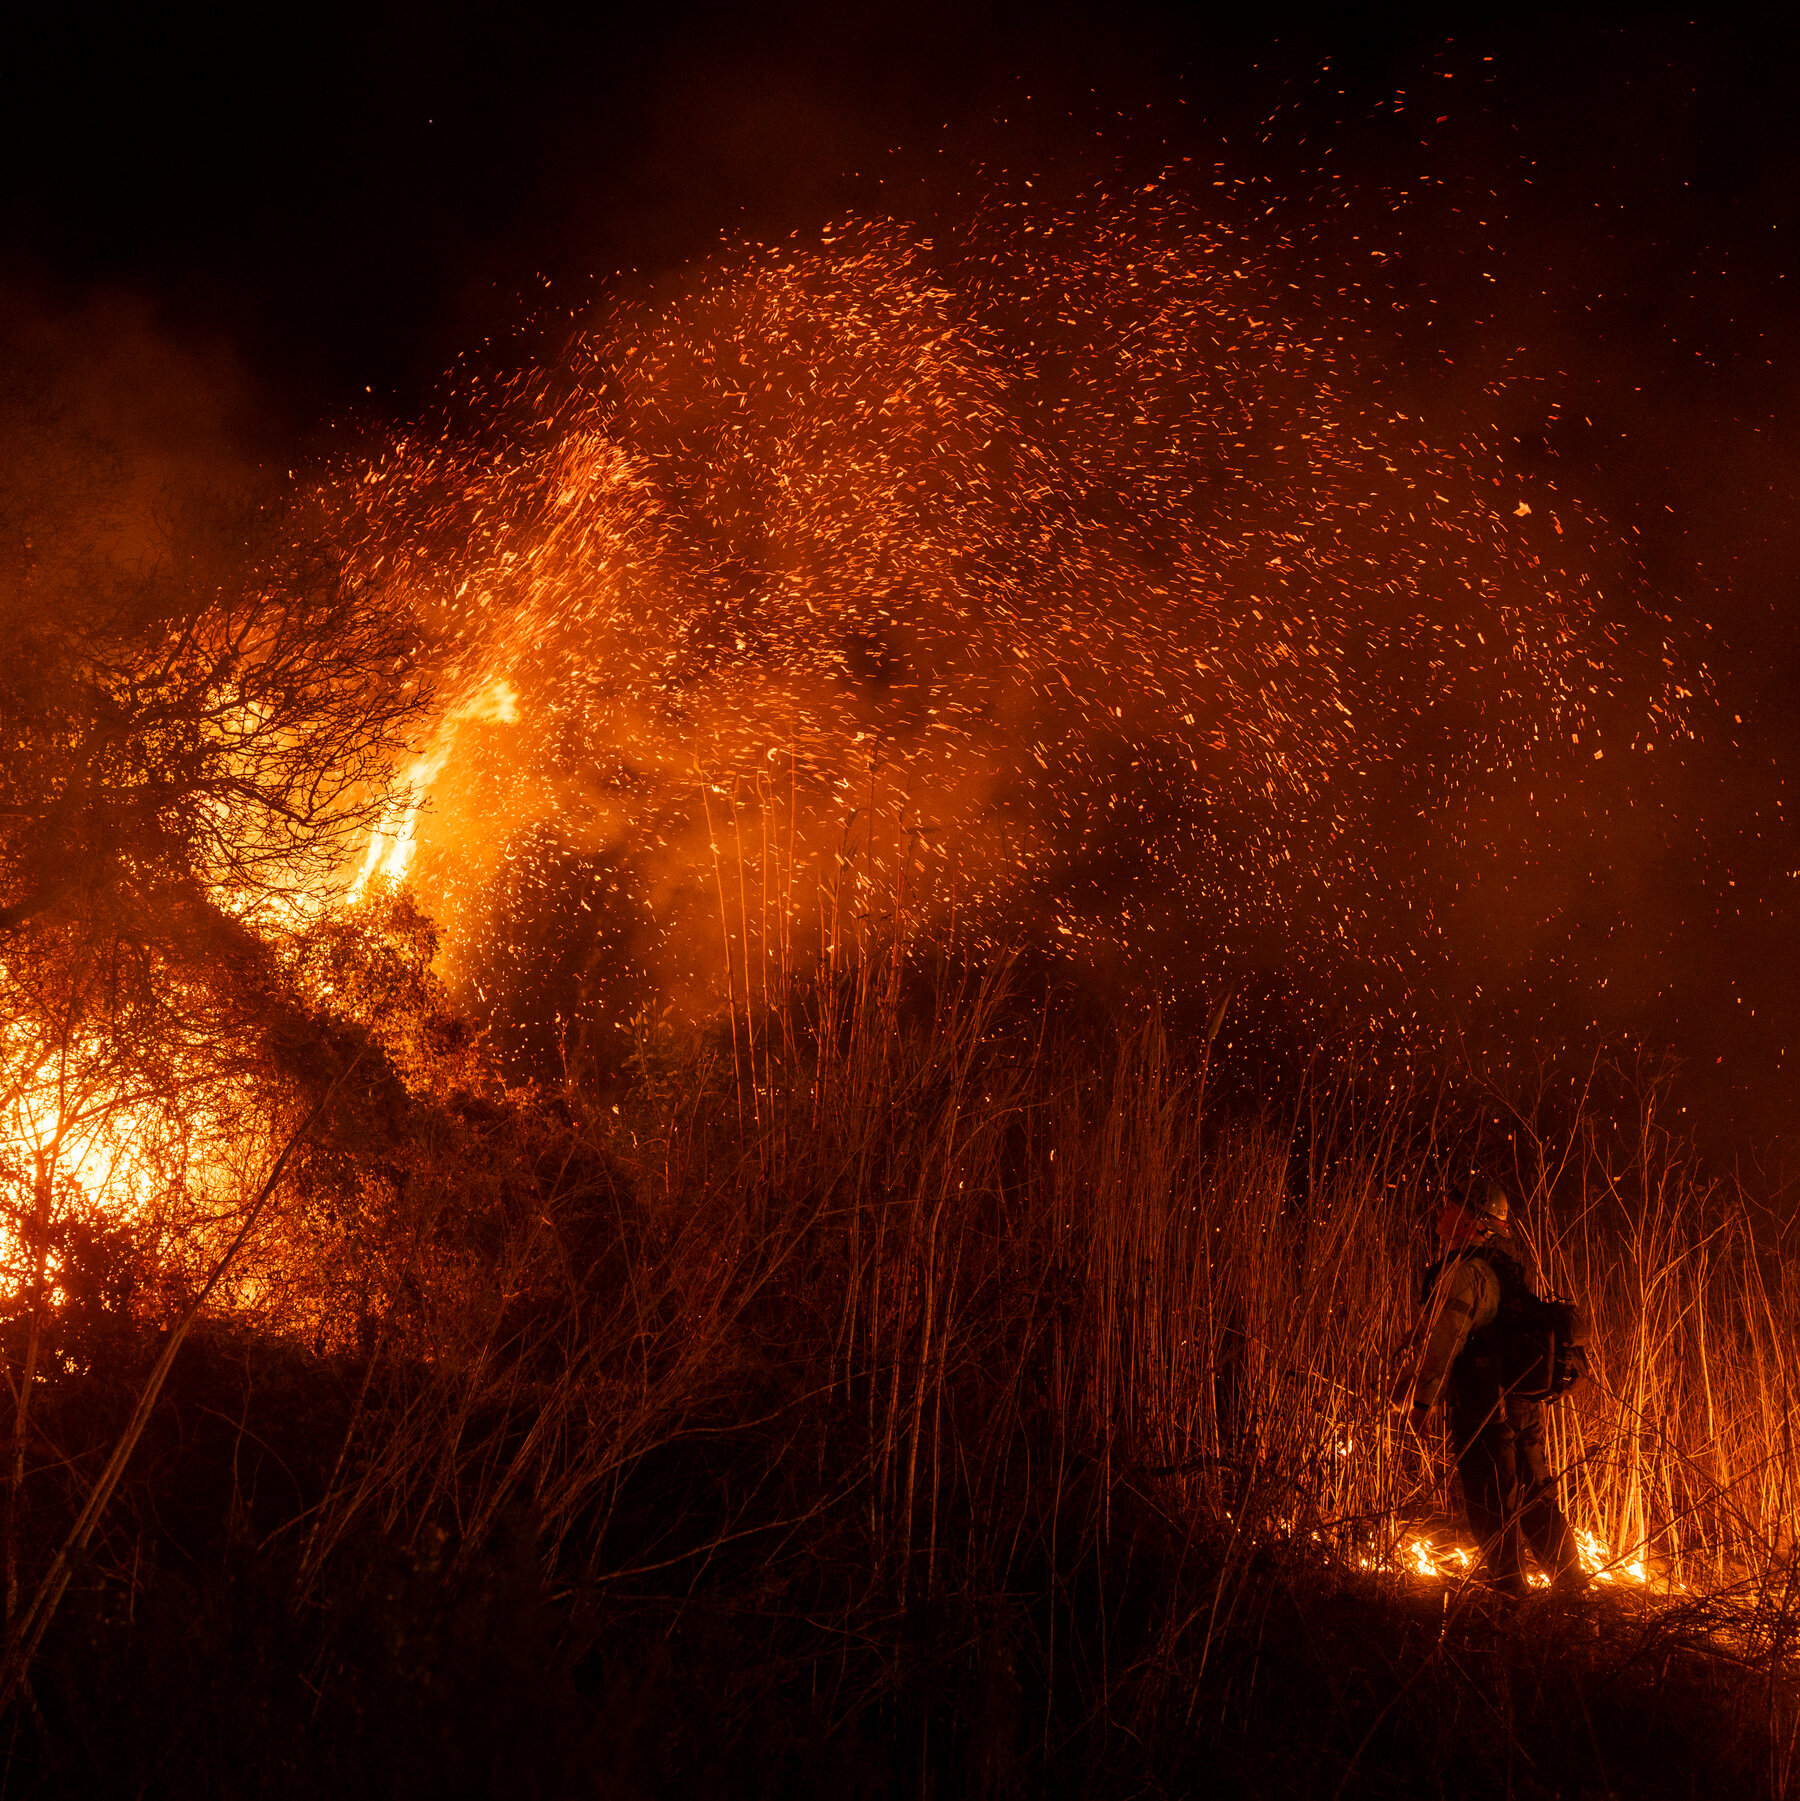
[(1538, 1343)]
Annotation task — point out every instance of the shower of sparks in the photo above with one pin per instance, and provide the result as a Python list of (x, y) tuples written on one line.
[(1064, 584)]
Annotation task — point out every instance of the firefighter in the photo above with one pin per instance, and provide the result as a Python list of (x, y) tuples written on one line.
[(1498, 1436)]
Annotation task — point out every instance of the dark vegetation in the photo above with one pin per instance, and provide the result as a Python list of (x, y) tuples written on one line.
[(767, 1668), (854, 1454)]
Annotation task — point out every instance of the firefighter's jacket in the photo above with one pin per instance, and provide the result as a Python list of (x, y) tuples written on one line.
[(1466, 1298)]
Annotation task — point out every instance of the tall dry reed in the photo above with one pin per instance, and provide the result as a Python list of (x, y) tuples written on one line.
[(992, 1270)]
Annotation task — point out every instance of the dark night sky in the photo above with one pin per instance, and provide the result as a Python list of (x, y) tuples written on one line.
[(330, 204)]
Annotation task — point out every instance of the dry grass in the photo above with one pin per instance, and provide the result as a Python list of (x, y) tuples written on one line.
[(1061, 1359), (993, 1265)]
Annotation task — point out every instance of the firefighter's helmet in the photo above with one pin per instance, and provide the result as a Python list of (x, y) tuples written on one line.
[(1485, 1197)]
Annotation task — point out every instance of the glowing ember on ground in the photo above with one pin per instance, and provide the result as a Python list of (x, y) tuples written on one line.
[(1441, 1559)]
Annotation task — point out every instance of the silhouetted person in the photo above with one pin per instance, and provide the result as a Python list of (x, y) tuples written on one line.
[(1473, 1297)]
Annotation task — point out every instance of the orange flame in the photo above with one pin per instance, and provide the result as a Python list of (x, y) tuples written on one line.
[(392, 842)]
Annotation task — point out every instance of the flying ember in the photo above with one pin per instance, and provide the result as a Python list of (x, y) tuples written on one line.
[(1066, 583)]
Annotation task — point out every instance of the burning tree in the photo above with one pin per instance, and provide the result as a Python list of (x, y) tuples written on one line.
[(195, 729)]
